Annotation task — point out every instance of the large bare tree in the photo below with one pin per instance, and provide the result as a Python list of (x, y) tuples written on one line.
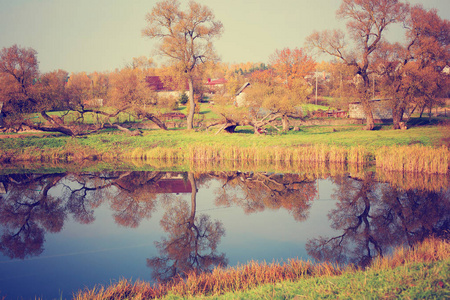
[(367, 23), (185, 39)]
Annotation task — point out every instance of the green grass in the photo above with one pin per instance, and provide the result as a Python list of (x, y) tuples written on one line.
[(345, 136), (414, 281), (339, 143)]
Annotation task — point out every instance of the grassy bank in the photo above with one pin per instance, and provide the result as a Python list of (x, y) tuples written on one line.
[(421, 272), (419, 149)]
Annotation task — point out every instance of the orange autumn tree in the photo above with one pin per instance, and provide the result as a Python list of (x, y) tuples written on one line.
[(185, 39), (290, 68), (291, 65), (411, 75), (18, 69)]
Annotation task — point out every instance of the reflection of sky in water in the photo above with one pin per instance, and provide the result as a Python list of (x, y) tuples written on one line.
[(102, 252)]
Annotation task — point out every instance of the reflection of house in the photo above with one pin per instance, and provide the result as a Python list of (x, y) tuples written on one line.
[(240, 95), (176, 186), (164, 88), (380, 109)]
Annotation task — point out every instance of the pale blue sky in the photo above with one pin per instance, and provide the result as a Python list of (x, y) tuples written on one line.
[(101, 35)]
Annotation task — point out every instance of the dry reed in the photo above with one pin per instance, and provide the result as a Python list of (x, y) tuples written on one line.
[(253, 274), (414, 158)]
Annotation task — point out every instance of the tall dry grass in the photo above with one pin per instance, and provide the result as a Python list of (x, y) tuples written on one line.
[(273, 154), (253, 274), (414, 158)]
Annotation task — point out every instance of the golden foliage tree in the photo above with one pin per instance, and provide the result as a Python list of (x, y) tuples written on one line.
[(291, 65), (78, 89), (18, 69), (411, 74), (130, 91), (185, 38), (50, 90)]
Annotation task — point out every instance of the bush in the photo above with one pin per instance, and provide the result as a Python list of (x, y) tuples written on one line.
[(183, 98)]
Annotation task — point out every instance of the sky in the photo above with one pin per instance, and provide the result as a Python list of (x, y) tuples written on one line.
[(102, 35)]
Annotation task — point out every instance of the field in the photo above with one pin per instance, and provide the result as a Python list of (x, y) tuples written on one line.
[(421, 148)]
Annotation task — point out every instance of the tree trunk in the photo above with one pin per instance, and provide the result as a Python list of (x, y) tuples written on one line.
[(190, 116), (62, 129), (421, 112), (285, 122), (397, 115), (370, 123), (193, 196)]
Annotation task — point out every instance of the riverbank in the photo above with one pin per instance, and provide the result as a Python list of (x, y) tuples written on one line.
[(417, 273), (418, 149)]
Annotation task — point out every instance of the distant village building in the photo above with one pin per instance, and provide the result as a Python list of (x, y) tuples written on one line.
[(380, 110), (240, 95), (93, 102), (215, 86)]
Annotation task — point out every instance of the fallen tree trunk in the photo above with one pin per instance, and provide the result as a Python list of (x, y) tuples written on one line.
[(229, 124)]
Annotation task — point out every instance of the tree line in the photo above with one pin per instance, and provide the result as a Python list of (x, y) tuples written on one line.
[(412, 75)]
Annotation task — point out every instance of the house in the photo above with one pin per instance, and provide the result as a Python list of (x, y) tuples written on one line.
[(380, 109), (98, 102), (214, 86), (216, 83), (240, 95)]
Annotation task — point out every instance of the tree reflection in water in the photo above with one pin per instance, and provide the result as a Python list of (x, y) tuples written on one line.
[(27, 212), (40, 203), (374, 217), (255, 192), (192, 241)]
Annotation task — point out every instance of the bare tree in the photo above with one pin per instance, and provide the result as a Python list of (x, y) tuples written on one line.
[(367, 22), (186, 39)]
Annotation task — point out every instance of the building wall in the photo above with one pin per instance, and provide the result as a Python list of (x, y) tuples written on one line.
[(380, 110), (176, 94)]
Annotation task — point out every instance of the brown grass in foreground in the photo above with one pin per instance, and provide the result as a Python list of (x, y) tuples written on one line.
[(253, 274)]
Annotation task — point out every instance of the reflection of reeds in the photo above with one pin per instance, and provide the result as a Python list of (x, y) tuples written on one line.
[(416, 181), (253, 274), (413, 158)]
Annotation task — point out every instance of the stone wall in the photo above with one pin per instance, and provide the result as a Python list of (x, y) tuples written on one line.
[(380, 110)]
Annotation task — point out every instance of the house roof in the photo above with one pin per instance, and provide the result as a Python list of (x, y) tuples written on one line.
[(216, 81), (242, 88)]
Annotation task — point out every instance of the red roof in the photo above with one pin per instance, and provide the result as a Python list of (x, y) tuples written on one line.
[(216, 81)]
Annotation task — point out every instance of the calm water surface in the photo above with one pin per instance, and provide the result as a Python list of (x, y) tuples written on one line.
[(68, 231)]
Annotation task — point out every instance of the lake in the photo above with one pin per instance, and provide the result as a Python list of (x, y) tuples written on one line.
[(62, 232)]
